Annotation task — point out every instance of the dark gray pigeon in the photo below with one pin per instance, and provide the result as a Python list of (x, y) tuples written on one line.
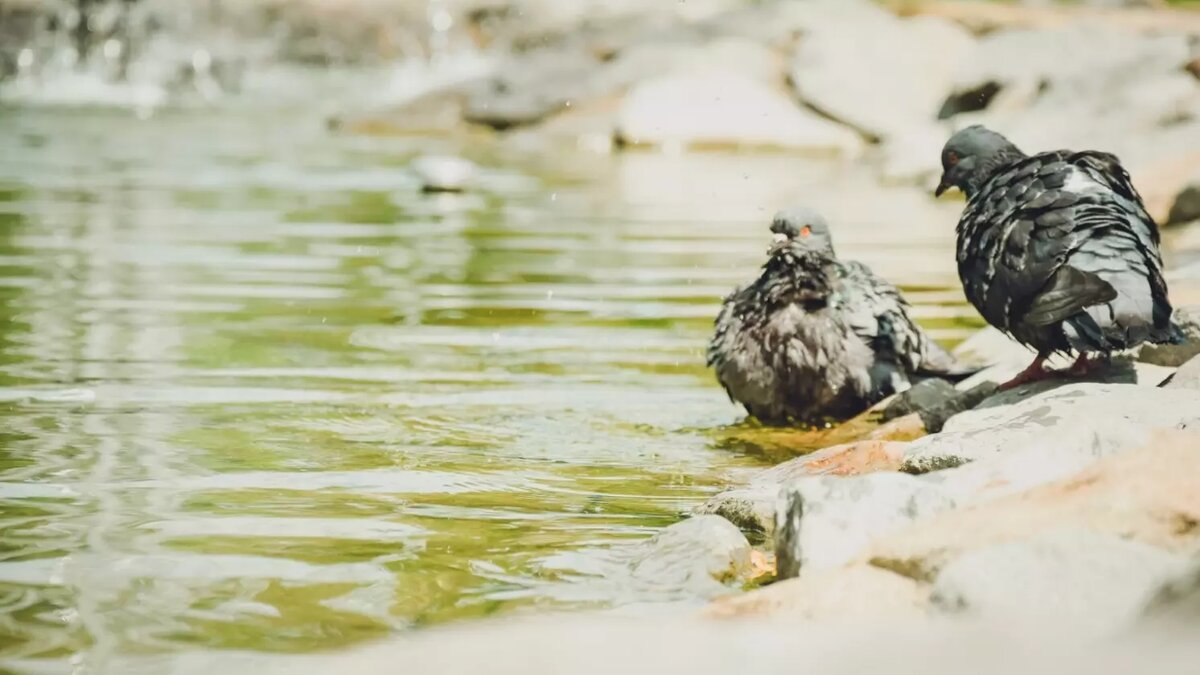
[(814, 340), (1056, 249)]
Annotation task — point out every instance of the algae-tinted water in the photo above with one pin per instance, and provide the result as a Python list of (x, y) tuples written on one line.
[(258, 392)]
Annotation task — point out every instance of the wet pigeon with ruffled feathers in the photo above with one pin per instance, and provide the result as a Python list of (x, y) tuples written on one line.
[(813, 339), (1056, 249)]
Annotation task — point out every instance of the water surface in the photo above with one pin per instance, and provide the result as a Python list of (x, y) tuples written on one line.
[(258, 392)]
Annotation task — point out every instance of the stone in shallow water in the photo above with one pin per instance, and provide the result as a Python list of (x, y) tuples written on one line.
[(444, 173), (698, 553)]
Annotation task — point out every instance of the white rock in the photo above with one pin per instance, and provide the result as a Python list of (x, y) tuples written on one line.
[(696, 553), (1092, 418), (721, 108), (1094, 582), (885, 78), (823, 522), (1187, 377)]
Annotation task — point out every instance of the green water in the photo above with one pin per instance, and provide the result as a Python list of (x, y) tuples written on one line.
[(258, 392)]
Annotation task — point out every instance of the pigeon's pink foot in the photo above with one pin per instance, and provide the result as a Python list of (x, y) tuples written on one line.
[(1080, 368), (1034, 373)]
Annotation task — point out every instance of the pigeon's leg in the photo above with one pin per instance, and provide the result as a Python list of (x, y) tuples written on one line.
[(1081, 366), (1033, 373)]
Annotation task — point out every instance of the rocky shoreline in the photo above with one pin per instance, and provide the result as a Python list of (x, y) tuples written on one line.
[(783, 77)]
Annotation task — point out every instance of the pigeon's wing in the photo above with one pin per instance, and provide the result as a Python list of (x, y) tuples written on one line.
[(880, 316), (1124, 250), (1062, 236), (1014, 235), (720, 347)]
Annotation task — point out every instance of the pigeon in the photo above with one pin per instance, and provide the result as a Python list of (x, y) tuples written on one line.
[(815, 340), (1056, 249)]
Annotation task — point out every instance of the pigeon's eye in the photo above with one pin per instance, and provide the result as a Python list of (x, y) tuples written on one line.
[(951, 158), (805, 231)]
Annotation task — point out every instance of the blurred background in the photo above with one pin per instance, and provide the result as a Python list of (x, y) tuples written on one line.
[(322, 320)]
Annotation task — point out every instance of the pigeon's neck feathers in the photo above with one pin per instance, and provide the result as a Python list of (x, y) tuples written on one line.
[(798, 276), (990, 163)]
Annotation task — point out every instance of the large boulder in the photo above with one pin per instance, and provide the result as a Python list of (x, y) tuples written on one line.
[(1095, 419), (1013, 69), (824, 522), (1186, 205), (1150, 495), (1094, 582), (881, 77), (723, 109)]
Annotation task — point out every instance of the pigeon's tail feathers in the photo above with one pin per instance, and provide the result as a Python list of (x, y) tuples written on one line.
[(1069, 291), (937, 362)]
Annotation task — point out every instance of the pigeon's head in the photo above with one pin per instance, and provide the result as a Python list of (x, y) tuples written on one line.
[(802, 229), (970, 156)]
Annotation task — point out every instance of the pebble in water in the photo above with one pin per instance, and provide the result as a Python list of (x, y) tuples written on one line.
[(444, 173)]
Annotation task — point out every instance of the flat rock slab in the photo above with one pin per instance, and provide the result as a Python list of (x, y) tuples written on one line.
[(725, 109), (1149, 495), (1097, 418), (881, 77), (1095, 582), (752, 508)]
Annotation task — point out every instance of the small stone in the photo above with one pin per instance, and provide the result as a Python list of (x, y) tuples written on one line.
[(695, 553), (444, 173), (936, 401), (1188, 319), (1186, 207)]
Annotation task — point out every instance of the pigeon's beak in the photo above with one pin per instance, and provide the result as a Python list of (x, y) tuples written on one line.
[(779, 238), (943, 185)]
